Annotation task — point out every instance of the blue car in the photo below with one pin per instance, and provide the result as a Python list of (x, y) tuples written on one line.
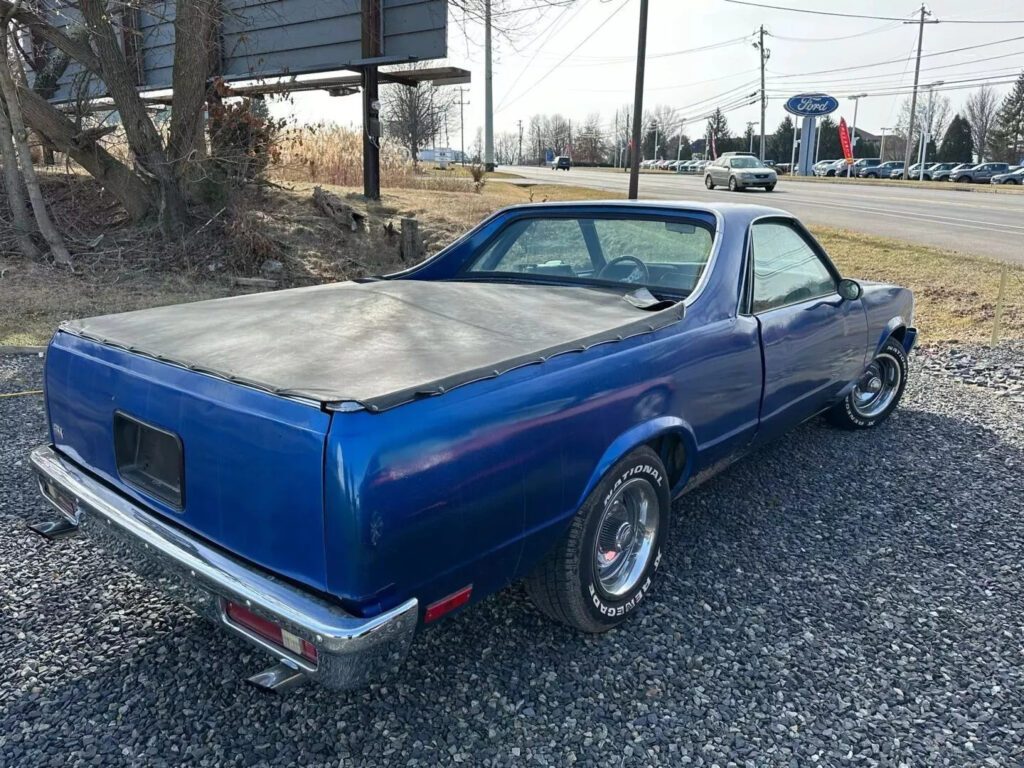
[(323, 471)]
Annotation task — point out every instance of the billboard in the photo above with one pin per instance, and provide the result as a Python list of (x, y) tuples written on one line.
[(268, 38)]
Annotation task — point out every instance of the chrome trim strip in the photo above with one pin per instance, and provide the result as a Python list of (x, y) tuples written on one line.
[(352, 651)]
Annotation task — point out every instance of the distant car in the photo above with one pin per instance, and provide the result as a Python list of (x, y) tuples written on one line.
[(874, 168), (740, 172), (1013, 177), (980, 173), (821, 167), (859, 165), (938, 171), (561, 163)]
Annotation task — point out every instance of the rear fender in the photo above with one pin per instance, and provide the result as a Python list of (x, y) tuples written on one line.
[(638, 435)]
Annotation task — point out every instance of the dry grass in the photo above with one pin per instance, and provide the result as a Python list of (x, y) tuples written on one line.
[(955, 295)]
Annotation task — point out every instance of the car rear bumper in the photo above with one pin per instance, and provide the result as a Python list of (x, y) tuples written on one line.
[(351, 651)]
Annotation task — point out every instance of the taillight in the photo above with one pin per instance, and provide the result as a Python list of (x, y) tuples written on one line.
[(268, 630)]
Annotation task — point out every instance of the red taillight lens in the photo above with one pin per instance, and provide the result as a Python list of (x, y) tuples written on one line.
[(268, 630), (446, 604)]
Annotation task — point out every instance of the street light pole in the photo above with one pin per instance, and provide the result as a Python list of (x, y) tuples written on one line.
[(926, 133), (488, 92), (881, 149), (853, 137)]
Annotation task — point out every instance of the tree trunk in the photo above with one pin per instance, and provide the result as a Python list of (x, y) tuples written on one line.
[(16, 191), (20, 135), (194, 23), (143, 137), (131, 191)]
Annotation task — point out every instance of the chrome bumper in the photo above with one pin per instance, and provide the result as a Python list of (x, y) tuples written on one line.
[(351, 651)]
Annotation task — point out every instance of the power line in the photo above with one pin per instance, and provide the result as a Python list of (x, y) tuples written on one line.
[(867, 16), (570, 53), (818, 13)]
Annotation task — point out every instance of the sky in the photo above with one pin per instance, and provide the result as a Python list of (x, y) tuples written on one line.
[(581, 58)]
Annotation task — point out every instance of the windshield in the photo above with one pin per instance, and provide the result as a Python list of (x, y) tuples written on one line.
[(746, 162), (667, 255)]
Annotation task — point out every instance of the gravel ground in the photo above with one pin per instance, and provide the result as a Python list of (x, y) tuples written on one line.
[(835, 599)]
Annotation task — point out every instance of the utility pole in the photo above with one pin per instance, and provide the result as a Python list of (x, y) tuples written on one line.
[(881, 149), (917, 77), (488, 92), (853, 132), (520, 158), (371, 35), (462, 123), (638, 102), (765, 55)]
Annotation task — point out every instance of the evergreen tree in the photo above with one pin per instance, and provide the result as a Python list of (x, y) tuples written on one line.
[(779, 146), (719, 128), (957, 145), (829, 147), (1007, 140)]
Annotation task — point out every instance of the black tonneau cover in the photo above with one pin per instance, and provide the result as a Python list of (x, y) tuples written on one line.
[(379, 344)]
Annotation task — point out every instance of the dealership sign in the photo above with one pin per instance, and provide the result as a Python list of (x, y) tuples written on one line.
[(811, 105)]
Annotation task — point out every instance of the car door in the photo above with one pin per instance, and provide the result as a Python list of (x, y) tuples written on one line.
[(813, 341)]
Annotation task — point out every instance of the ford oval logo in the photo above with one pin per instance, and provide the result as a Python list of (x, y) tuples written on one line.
[(812, 104)]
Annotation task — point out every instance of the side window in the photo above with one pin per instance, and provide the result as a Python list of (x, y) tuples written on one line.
[(786, 268)]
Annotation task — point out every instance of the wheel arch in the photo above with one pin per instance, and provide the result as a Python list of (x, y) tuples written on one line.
[(669, 436), (895, 328)]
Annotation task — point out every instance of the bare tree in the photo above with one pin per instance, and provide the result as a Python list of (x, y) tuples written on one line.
[(414, 115), (19, 136), (980, 110)]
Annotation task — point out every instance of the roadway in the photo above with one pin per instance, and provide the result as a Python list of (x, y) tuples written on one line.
[(986, 224)]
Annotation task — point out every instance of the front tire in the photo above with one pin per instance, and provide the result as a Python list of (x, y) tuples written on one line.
[(769, 187), (732, 184), (708, 182), (878, 392), (605, 565)]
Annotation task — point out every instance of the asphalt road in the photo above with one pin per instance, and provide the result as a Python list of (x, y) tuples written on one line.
[(835, 599), (979, 223)]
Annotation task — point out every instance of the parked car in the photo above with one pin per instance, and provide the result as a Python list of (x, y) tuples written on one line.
[(739, 171), (324, 470), (561, 163), (1011, 177), (913, 172), (939, 171), (874, 168), (981, 173), (822, 167)]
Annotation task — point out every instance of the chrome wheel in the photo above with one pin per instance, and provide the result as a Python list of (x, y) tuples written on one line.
[(626, 536), (878, 387)]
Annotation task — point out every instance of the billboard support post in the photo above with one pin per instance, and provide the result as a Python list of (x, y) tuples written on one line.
[(371, 100)]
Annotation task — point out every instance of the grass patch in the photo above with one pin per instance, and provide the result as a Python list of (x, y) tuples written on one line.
[(955, 294)]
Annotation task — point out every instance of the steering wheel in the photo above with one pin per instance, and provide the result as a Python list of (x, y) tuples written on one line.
[(606, 270)]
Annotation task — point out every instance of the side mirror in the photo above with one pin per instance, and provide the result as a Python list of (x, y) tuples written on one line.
[(849, 289)]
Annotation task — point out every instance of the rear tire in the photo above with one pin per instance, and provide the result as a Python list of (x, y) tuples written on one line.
[(605, 565), (878, 392)]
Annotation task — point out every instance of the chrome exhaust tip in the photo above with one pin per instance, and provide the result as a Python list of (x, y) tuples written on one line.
[(60, 528), (279, 678)]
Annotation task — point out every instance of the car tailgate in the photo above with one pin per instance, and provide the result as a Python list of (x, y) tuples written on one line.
[(251, 463)]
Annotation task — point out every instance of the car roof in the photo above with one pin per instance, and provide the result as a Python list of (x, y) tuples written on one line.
[(739, 212)]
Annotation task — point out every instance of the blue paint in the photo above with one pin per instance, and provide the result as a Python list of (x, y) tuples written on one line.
[(476, 485)]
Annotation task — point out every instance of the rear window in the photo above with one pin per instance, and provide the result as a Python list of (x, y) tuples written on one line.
[(656, 253)]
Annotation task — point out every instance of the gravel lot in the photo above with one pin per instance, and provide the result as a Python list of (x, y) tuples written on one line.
[(835, 599)]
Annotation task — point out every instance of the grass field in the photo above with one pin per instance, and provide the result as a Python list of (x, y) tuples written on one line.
[(955, 293)]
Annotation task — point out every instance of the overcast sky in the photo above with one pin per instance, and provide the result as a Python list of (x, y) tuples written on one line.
[(530, 76)]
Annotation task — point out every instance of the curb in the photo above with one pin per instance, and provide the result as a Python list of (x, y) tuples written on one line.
[(6, 350)]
